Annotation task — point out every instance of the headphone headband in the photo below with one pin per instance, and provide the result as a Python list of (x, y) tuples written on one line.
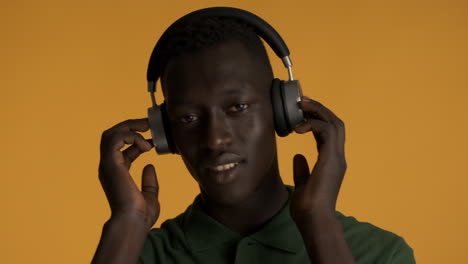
[(285, 95), (261, 27)]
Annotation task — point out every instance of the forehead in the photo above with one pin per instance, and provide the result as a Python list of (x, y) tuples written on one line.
[(224, 69)]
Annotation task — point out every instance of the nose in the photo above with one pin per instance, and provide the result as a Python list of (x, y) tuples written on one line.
[(218, 132)]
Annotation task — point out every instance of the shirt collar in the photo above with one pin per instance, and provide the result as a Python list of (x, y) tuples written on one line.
[(204, 232)]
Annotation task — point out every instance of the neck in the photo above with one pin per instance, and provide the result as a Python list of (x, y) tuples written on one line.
[(250, 215)]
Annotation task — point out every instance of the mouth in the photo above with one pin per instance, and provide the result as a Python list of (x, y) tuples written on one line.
[(224, 167), (224, 173)]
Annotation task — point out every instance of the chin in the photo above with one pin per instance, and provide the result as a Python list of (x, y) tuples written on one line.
[(226, 195)]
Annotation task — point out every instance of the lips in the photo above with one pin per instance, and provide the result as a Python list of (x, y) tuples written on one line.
[(223, 169), (222, 161)]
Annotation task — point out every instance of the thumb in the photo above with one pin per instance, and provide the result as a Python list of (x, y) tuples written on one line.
[(149, 183), (301, 170)]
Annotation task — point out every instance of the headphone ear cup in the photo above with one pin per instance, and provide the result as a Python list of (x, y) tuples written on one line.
[(167, 128), (278, 108), (160, 129), (291, 96)]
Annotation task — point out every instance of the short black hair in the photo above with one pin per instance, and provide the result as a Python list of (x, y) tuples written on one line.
[(202, 33)]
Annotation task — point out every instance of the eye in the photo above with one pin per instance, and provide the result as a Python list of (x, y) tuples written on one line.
[(187, 119), (239, 107)]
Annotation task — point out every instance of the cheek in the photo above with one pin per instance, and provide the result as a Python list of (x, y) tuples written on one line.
[(258, 134), (185, 148), (262, 124)]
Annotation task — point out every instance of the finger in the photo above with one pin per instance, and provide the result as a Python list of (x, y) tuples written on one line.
[(140, 125), (120, 139), (316, 110), (131, 125), (149, 184), (134, 151), (300, 170), (313, 125), (341, 135)]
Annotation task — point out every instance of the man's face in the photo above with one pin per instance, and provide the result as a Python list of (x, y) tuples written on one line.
[(221, 117)]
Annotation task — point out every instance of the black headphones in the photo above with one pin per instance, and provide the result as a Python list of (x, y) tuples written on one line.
[(285, 95)]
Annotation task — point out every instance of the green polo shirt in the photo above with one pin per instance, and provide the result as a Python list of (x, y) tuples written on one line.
[(195, 237)]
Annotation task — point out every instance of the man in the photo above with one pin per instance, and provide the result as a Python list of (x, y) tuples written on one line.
[(216, 80)]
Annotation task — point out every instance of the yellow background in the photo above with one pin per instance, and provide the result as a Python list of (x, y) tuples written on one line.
[(394, 71)]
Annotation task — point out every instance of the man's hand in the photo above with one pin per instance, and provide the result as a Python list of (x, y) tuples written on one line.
[(317, 192), (133, 212), (314, 198), (125, 199)]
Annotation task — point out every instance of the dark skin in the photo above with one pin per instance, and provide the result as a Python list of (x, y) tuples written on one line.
[(227, 111), (224, 118)]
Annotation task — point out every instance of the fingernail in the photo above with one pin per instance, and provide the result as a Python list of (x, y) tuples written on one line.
[(148, 144), (307, 99)]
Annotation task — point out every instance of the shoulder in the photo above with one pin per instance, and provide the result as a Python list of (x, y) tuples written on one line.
[(166, 244), (170, 231), (372, 244)]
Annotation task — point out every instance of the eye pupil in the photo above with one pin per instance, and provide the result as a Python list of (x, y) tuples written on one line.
[(241, 107), (188, 119)]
